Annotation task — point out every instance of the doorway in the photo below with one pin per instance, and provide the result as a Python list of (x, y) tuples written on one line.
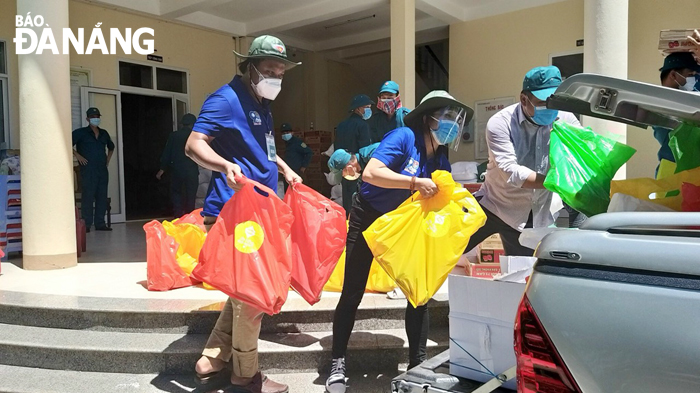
[(147, 123)]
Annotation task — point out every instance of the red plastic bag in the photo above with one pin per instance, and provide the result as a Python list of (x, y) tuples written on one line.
[(691, 197), (195, 218), (247, 254), (318, 240), (162, 271)]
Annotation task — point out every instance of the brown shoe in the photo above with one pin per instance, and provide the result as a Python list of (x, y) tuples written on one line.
[(259, 384)]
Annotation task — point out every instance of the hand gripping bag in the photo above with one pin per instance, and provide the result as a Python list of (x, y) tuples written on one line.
[(318, 239), (582, 164), (162, 270), (247, 253), (420, 242)]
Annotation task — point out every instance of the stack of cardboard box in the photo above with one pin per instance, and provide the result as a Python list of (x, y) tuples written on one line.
[(671, 41), (489, 253)]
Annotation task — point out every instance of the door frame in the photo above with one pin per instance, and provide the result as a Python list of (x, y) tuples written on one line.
[(85, 104)]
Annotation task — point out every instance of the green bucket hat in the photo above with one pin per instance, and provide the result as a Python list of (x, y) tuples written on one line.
[(432, 101), (268, 47)]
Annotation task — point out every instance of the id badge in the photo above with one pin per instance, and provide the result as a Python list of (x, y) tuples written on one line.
[(271, 149)]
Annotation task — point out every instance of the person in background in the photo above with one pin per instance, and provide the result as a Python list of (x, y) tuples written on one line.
[(184, 172), (296, 154), (389, 114), (513, 195), (233, 137), (679, 71), (352, 134), (401, 164), (93, 150)]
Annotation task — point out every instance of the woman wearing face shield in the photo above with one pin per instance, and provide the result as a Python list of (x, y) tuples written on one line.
[(402, 164)]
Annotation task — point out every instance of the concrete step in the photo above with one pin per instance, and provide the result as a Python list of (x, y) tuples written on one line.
[(15, 379), (136, 352), (194, 316)]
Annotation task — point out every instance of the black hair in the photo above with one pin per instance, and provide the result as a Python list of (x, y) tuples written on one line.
[(666, 73), (243, 66)]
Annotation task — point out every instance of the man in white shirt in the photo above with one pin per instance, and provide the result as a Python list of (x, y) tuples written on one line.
[(513, 196)]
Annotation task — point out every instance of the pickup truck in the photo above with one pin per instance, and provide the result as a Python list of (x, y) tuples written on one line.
[(615, 305)]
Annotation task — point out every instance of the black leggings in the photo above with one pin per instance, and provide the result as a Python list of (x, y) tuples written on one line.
[(358, 261)]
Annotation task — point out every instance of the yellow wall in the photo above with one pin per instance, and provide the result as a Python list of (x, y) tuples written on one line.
[(489, 57), (646, 19), (207, 55)]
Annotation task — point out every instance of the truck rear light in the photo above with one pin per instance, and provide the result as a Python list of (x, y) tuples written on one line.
[(540, 368)]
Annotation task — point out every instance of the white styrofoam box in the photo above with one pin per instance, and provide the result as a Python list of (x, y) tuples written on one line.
[(482, 318), (510, 264)]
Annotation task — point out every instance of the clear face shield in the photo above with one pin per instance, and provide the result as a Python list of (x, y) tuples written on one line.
[(450, 122)]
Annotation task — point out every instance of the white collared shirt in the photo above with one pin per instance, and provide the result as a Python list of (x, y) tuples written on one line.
[(517, 148)]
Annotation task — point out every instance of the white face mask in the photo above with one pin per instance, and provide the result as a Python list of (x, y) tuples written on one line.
[(267, 87), (689, 83), (95, 121)]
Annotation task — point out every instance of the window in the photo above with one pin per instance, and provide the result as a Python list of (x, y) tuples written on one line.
[(171, 80), (3, 58), (135, 75)]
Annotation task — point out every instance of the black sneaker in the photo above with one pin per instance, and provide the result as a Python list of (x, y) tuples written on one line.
[(337, 383)]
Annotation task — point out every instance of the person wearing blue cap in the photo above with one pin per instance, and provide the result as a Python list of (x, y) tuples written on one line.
[(233, 137), (352, 134), (390, 112), (680, 71), (90, 143), (296, 153), (513, 195), (350, 166), (401, 164), (184, 177)]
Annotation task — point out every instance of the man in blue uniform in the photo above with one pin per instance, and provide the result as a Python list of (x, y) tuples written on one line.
[(352, 134), (233, 136), (184, 171), (390, 112), (90, 143), (296, 154)]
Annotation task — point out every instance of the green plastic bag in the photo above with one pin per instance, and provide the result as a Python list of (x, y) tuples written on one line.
[(582, 164), (684, 142)]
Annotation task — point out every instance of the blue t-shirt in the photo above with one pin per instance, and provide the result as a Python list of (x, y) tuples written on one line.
[(238, 122), (403, 152)]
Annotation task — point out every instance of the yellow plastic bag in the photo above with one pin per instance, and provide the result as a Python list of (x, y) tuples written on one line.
[(190, 238), (378, 280), (664, 191), (420, 242), (666, 169)]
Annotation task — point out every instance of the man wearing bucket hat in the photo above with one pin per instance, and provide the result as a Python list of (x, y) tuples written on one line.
[(680, 71), (233, 136), (402, 163), (513, 195), (352, 134), (389, 114)]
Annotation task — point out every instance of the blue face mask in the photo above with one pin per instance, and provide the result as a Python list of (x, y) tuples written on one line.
[(95, 121), (286, 137), (367, 114), (446, 132), (543, 116)]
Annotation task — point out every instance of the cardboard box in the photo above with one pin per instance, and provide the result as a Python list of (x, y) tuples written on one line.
[(671, 41), (485, 270), (482, 318), (491, 249)]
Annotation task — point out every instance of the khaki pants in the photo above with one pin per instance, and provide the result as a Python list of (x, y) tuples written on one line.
[(236, 333)]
